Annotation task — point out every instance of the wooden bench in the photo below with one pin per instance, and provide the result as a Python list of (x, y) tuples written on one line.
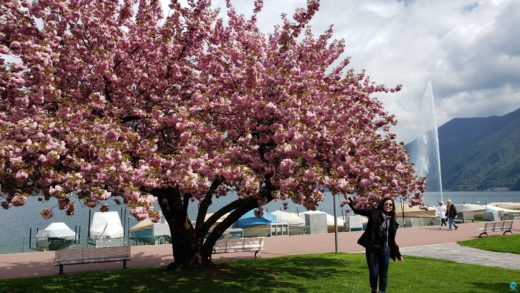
[(255, 244), (91, 255), (499, 226)]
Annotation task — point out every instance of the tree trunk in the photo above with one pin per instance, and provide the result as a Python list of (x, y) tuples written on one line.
[(239, 207), (193, 246), (174, 207)]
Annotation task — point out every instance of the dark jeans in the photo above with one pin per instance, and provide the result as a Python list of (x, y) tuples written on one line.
[(443, 222), (378, 268), (451, 221)]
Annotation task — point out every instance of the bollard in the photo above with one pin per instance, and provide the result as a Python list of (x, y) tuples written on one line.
[(88, 231), (30, 234)]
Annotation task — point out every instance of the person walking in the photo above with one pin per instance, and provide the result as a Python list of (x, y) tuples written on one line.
[(379, 241), (451, 213), (441, 213)]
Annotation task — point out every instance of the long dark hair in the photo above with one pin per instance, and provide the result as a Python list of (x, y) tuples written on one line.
[(381, 206)]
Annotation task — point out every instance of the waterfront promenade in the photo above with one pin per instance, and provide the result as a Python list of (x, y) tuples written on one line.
[(419, 241)]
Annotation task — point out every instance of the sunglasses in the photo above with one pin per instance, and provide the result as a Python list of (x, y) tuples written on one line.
[(389, 204)]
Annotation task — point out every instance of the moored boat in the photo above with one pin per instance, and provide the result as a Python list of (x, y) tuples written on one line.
[(495, 208), (469, 207), (405, 211), (513, 206), (150, 232), (56, 236), (106, 229)]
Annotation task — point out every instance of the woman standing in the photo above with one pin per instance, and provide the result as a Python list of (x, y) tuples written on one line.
[(451, 213), (379, 241)]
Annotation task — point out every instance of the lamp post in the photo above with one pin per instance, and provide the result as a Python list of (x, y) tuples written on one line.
[(402, 210), (335, 223)]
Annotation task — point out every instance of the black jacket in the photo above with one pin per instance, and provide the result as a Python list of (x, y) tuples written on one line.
[(451, 212), (371, 238)]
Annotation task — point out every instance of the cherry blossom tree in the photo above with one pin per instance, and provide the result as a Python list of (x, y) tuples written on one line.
[(114, 99)]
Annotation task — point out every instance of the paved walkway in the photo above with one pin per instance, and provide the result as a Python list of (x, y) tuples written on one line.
[(463, 254), (422, 241)]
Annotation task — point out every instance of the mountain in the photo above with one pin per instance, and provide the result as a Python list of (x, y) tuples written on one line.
[(478, 153)]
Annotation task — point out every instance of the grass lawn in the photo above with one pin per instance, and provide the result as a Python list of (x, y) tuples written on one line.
[(303, 273), (508, 243)]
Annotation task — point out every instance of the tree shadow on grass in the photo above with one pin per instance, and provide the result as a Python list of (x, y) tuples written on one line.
[(489, 287), (290, 273), (277, 274), (252, 275)]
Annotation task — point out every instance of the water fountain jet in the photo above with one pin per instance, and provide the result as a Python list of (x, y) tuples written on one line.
[(424, 151)]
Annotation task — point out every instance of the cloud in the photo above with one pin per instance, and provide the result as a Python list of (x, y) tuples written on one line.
[(468, 48)]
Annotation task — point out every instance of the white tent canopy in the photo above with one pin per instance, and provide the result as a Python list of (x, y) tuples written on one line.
[(330, 218), (58, 230), (290, 218), (106, 225), (208, 215)]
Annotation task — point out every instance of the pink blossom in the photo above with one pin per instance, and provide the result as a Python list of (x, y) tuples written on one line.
[(56, 190), (185, 136), (100, 194), (286, 166), (21, 176), (42, 158), (90, 203), (154, 216), (6, 205), (259, 212), (19, 200), (46, 213), (111, 136), (103, 208), (4, 49), (258, 6), (53, 157), (278, 138), (15, 46), (63, 203), (70, 209), (140, 213)]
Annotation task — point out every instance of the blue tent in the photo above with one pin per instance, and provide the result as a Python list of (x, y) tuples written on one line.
[(249, 219)]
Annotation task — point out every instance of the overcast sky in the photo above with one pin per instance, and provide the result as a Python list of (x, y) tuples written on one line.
[(470, 50)]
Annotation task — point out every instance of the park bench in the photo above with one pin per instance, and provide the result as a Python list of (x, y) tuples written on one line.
[(91, 255), (499, 226), (255, 244)]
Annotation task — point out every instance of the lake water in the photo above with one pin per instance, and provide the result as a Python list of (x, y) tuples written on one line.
[(16, 223)]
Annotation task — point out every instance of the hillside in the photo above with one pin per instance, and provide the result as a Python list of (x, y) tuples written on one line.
[(479, 153)]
